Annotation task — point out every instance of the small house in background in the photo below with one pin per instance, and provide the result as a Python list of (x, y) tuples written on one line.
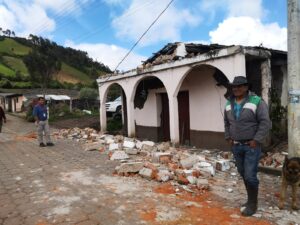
[(180, 92), (11, 102)]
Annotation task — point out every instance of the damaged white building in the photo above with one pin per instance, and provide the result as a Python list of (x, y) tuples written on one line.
[(179, 93)]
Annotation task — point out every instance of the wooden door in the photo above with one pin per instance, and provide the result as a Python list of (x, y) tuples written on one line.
[(184, 117), (165, 117)]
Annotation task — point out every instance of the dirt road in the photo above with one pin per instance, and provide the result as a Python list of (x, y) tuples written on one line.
[(66, 185)]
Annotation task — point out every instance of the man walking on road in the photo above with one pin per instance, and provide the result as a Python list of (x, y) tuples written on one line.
[(247, 123), (2, 118), (41, 119)]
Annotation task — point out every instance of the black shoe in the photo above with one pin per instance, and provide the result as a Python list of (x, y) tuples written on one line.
[(252, 202), (50, 144), (42, 145), (250, 209)]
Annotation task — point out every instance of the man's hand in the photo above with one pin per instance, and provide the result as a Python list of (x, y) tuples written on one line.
[(230, 141), (36, 122), (252, 144)]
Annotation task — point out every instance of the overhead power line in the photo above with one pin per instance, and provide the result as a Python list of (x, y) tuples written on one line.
[(106, 25), (136, 43)]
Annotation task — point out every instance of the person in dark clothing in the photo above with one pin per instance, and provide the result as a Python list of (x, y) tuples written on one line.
[(2, 118), (247, 123), (41, 119)]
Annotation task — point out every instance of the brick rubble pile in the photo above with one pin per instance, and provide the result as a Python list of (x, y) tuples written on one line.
[(191, 168)]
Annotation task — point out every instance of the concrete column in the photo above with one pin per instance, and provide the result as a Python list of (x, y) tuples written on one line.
[(130, 118), (174, 120), (266, 80), (102, 109), (294, 77)]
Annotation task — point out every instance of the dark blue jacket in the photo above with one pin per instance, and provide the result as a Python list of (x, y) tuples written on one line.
[(40, 112)]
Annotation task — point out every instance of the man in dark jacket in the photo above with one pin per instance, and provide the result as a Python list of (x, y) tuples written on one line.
[(247, 123), (2, 118)]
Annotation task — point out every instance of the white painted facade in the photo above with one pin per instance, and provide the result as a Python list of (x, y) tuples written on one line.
[(195, 75)]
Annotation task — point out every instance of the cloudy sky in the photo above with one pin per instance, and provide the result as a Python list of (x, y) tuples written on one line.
[(107, 29)]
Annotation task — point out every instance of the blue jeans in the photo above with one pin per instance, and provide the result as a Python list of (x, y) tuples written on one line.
[(246, 160)]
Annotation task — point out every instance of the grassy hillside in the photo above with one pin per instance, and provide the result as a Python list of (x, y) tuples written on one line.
[(7, 72), (76, 66), (11, 47), (16, 64), (80, 76)]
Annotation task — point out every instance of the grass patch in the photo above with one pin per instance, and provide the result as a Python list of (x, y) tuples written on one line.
[(76, 73), (17, 64), (114, 125), (21, 84), (11, 47), (7, 71)]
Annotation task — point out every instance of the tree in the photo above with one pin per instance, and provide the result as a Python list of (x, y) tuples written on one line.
[(42, 62), (8, 32), (88, 94)]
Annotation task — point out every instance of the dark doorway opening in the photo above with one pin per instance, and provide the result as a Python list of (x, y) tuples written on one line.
[(165, 117), (184, 117)]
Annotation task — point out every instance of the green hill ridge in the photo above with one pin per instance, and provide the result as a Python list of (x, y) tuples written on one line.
[(77, 69)]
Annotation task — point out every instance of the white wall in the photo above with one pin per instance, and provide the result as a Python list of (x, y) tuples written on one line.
[(206, 100), (149, 115)]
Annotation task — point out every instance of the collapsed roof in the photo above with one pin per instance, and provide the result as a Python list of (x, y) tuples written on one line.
[(179, 50)]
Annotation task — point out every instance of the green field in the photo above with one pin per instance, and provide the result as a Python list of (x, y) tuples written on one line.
[(75, 73), (7, 71), (11, 47), (17, 64)]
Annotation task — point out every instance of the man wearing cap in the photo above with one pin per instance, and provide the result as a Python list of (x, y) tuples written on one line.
[(247, 123)]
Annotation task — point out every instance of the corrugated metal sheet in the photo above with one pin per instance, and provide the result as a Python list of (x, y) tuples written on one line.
[(56, 97)]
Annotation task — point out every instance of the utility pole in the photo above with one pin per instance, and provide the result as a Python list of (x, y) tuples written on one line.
[(294, 77)]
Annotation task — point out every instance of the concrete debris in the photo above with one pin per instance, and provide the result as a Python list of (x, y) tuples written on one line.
[(131, 151), (146, 173), (192, 179), (164, 146), (128, 144), (161, 157), (202, 184), (113, 146), (119, 155), (132, 167), (93, 146), (149, 143), (189, 162), (139, 145), (164, 175), (160, 161), (222, 165), (205, 167)]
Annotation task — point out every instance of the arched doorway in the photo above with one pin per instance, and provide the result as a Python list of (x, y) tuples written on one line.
[(200, 107), (116, 110), (151, 110)]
